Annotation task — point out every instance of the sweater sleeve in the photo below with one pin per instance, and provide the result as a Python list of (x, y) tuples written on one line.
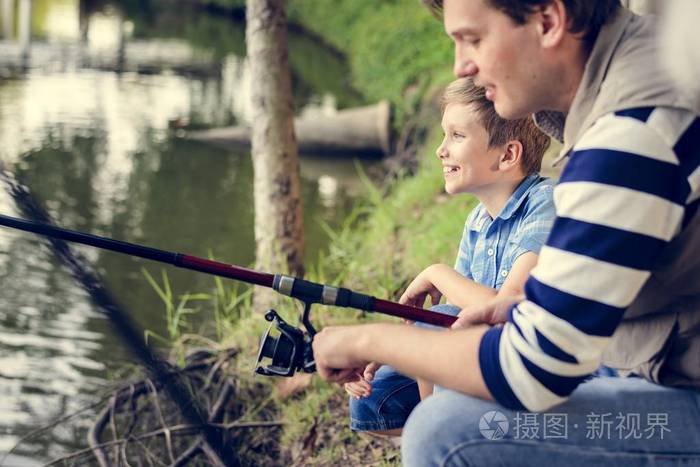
[(621, 198)]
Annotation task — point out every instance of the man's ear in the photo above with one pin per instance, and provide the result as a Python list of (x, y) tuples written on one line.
[(551, 20), (512, 155)]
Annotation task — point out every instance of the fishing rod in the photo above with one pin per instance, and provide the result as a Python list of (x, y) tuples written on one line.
[(289, 352), (216, 439)]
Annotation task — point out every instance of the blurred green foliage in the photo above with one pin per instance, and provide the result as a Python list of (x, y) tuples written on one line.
[(395, 48)]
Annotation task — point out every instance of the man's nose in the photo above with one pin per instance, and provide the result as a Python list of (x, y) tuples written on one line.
[(464, 66)]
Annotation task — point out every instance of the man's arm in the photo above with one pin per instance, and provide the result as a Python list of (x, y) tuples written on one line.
[(449, 358), (620, 200)]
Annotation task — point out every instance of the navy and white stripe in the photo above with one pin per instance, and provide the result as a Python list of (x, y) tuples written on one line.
[(630, 186)]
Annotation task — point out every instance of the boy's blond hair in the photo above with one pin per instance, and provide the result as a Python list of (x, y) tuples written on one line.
[(535, 143)]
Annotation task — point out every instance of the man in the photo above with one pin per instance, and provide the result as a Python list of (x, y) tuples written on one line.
[(618, 282)]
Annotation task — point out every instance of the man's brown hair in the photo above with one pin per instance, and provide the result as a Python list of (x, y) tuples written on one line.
[(500, 131), (585, 16)]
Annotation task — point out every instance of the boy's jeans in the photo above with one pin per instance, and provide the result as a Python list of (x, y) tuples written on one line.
[(606, 422), (393, 396)]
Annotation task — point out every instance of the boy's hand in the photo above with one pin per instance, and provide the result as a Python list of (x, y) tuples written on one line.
[(492, 312), (418, 290), (362, 387)]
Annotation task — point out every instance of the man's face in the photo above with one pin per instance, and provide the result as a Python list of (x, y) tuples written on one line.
[(499, 54)]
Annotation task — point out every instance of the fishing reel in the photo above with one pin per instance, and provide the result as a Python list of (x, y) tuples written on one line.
[(291, 350)]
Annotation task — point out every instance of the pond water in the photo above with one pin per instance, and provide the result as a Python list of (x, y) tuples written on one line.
[(88, 93)]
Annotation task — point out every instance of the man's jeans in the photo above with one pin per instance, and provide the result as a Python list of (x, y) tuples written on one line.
[(607, 421)]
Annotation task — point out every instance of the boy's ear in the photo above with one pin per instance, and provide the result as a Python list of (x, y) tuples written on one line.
[(511, 156), (551, 20)]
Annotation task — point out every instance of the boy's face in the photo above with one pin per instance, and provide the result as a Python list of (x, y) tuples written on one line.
[(500, 55), (468, 164)]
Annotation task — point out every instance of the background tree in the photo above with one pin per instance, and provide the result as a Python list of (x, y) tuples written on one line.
[(279, 233)]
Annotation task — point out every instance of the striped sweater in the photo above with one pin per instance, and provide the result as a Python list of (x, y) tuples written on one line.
[(631, 184)]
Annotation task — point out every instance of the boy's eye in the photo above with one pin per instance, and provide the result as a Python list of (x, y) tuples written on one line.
[(457, 135)]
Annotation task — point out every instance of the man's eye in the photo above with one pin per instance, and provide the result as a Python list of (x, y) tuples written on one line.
[(474, 42), (457, 135)]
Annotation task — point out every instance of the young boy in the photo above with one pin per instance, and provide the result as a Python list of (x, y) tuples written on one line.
[(497, 161)]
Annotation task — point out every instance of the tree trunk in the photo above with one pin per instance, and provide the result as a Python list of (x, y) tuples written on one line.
[(279, 233)]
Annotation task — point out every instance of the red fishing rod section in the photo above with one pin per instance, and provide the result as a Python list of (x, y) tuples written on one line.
[(301, 289)]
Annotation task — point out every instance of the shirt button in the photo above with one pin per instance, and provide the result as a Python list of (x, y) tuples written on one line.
[(490, 251), (504, 273)]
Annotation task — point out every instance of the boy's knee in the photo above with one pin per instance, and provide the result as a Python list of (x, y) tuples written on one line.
[(392, 398), (446, 309), (364, 409)]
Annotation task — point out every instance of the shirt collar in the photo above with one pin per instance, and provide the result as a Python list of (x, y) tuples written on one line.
[(518, 196), (512, 205)]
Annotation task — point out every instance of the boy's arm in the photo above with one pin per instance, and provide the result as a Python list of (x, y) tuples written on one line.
[(463, 292), (441, 279)]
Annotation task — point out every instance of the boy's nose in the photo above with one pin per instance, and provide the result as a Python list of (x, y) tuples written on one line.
[(441, 152)]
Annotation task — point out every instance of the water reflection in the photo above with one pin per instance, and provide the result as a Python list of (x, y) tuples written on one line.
[(85, 123)]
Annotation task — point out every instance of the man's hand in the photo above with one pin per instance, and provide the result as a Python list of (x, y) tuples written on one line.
[(336, 353), (492, 312), (419, 289)]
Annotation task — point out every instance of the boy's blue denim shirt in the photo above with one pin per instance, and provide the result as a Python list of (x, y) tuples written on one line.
[(489, 247)]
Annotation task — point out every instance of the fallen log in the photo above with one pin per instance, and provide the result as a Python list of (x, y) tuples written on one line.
[(358, 131)]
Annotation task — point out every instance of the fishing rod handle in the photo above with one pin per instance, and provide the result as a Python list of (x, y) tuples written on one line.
[(312, 292)]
